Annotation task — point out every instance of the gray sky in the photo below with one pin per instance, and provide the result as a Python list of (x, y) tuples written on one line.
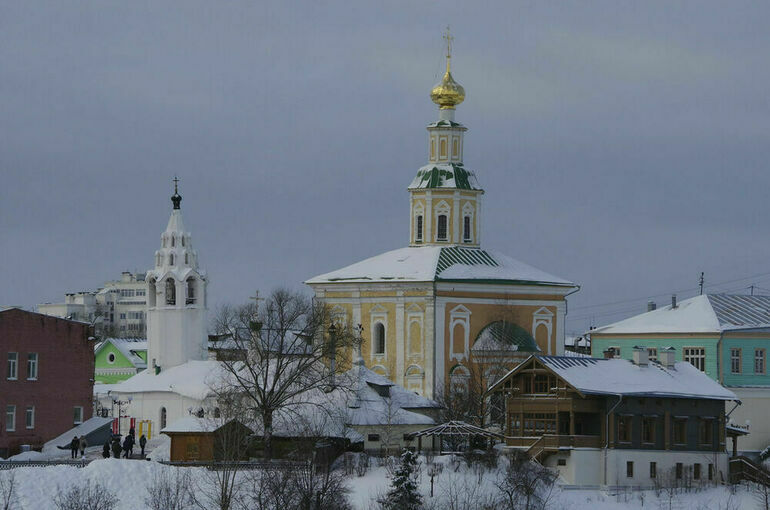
[(622, 145)]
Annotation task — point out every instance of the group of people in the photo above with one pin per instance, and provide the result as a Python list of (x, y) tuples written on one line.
[(78, 444), (113, 446)]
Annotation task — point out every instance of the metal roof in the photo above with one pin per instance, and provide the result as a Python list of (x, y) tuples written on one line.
[(740, 310), (456, 428), (452, 255)]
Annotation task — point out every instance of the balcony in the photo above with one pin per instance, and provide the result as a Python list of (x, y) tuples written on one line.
[(552, 442)]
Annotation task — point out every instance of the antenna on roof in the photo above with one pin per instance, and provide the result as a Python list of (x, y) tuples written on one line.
[(700, 282)]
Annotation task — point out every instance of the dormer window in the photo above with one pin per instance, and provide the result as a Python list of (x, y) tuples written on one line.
[(467, 229), (441, 233), (418, 234)]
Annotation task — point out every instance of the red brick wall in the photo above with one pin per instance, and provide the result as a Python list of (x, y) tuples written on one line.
[(64, 379)]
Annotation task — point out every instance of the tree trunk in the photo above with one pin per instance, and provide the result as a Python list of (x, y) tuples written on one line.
[(267, 421)]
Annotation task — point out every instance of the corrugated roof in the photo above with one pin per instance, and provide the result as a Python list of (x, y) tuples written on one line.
[(741, 310), (468, 256)]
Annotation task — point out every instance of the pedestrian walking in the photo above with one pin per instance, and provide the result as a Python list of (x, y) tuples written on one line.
[(82, 444), (128, 446), (116, 447), (74, 445), (106, 449), (142, 443)]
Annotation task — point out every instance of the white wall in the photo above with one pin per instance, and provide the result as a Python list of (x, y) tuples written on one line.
[(666, 462), (755, 409)]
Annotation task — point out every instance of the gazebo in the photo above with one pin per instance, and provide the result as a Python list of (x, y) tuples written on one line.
[(456, 430)]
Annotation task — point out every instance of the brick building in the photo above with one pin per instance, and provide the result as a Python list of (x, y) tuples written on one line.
[(47, 382)]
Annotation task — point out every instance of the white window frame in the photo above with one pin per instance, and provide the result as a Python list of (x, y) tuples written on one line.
[(760, 355), (77, 411), (459, 315), (10, 418), (443, 209), (378, 314), (13, 366), (697, 354), (32, 366), (29, 417), (736, 359)]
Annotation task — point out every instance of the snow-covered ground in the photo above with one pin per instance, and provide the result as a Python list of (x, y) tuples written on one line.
[(129, 479)]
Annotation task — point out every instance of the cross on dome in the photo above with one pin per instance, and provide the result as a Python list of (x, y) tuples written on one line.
[(176, 198)]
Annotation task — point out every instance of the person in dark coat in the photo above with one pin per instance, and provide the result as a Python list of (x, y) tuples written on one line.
[(106, 450), (142, 443), (128, 446), (82, 445), (74, 445), (116, 447)]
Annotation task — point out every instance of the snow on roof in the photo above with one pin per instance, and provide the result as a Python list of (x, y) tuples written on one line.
[(85, 428), (435, 263), (194, 424), (708, 313), (599, 376), (445, 175), (192, 379), (128, 348)]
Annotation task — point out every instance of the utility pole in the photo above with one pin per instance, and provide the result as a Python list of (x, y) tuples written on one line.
[(752, 289), (701, 282)]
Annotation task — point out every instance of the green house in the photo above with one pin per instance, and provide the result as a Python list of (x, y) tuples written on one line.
[(117, 359), (726, 336)]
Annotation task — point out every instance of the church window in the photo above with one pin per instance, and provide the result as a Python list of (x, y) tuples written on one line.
[(418, 235), (173, 241), (441, 235), (191, 291), (455, 147), (163, 241), (432, 148), (379, 338), (183, 240), (170, 259), (170, 292), (162, 418), (442, 148), (467, 229), (186, 258), (151, 294)]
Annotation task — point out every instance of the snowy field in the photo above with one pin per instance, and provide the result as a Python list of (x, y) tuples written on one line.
[(455, 487)]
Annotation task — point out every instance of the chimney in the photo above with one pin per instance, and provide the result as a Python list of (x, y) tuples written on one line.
[(667, 357), (651, 305), (609, 353), (641, 356), (673, 301)]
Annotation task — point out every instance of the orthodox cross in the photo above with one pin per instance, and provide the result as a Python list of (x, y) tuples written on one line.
[(256, 299), (176, 182), (448, 38)]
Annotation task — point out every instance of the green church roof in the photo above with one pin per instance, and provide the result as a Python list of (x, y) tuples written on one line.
[(504, 336), (445, 175)]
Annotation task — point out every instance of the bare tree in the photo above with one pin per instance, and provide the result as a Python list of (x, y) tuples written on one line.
[(298, 488), (85, 497), (169, 492), (287, 354), (8, 498), (525, 484)]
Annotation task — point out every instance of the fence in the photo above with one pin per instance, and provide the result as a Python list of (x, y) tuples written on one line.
[(13, 464)]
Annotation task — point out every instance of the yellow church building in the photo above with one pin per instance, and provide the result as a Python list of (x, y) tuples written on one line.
[(444, 308)]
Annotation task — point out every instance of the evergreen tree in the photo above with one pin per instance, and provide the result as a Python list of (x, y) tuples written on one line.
[(403, 493)]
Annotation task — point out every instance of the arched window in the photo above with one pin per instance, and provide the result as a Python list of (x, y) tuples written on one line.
[(418, 233), (173, 241), (170, 259), (163, 241), (162, 418), (151, 292), (467, 229), (186, 258), (170, 292), (441, 233), (190, 291), (183, 240), (379, 338)]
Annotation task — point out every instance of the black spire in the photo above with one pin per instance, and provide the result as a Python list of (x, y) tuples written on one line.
[(176, 198)]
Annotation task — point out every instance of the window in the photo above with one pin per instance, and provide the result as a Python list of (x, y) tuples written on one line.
[(190, 291), (679, 470), (111, 358), (561, 462), (379, 338), (629, 469), (711, 471), (123, 316), (680, 430), (77, 415), (418, 235), (173, 241), (648, 430), (652, 353), (441, 235), (653, 470), (696, 471), (735, 361), (13, 365), (759, 361), (10, 418), (537, 424), (467, 229), (186, 258), (32, 366), (373, 438), (542, 384), (170, 259), (170, 292), (162, 413), (615, 351), (624, 429), (696, 356), (29, 419), (706, 431)]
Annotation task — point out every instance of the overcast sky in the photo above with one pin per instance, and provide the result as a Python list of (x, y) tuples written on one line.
[(622, 145)]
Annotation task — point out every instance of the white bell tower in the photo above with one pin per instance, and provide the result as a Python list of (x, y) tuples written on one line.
[(176, 298)]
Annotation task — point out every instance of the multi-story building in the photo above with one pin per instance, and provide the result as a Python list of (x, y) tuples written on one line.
[(47, 384), (725, 336), (615, 422), (118, 309)]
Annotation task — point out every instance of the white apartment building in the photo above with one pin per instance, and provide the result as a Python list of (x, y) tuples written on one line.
[(117, 309)]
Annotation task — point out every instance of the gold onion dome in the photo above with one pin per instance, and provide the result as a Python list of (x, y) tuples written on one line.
[(448, 93)]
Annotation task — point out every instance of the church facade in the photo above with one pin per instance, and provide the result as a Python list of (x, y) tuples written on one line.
[(445, 309)]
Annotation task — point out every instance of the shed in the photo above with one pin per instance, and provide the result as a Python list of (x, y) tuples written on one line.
[(199, 439)]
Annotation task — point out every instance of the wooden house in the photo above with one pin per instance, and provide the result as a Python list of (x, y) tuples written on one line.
[(199, 440)]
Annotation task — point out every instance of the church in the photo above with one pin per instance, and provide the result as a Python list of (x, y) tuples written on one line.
[(444, 307)]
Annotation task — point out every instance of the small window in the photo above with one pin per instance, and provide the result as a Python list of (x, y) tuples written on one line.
[(77, 415), (561, 462), (648, 430), (680, 431), (29, 419), (170, 259), (652, 353), (467, 229), (373, 438), (111, 358), (759, 361), (190, 291), (653, 470), (441, 234), (173, 241), (711, 471), (170, 292), (706, 432), (10, 418), (624, 429), (679, 469), (696, 471), (32, 366), (735, 361), (629, 469), (379, 338), (162, 415), (418, 235), (186, 258), (13, 365)]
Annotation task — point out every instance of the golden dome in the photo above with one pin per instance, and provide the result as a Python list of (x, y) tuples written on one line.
[(448, 93)]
